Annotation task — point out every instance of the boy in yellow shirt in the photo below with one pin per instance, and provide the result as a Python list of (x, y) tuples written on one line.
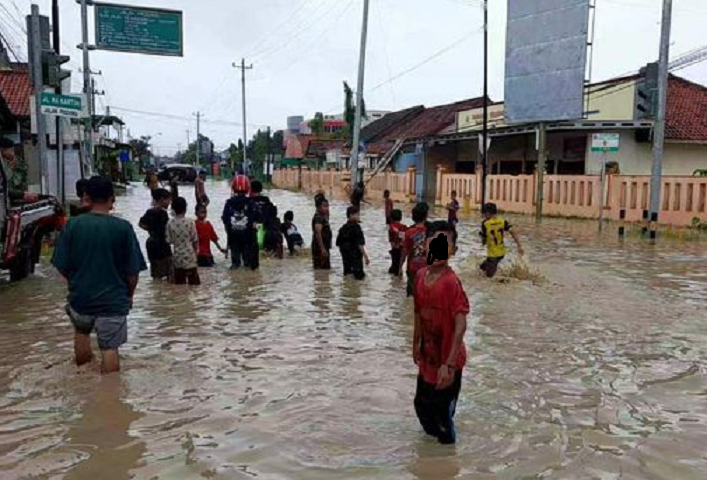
[(493, 230)]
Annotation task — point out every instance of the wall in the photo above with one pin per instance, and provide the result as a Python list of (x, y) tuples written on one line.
[(637, 158), (613, 103)]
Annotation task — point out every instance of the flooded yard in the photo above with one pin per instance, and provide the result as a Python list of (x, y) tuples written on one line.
[(599, 371)]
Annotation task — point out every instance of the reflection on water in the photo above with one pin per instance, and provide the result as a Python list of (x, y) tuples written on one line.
[(289, 373)]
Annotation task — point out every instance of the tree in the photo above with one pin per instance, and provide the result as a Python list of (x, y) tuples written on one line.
[(317, 125), (141, 147), (278, 142)]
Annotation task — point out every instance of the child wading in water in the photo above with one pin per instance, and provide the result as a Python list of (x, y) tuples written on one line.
[(453, 209), (321, 234), (492, 233), (352, 245), (441, 308), (414, 246), (396, 235), (181, 233), (206, 234), (154, 221), (388, 207), (292, 235)]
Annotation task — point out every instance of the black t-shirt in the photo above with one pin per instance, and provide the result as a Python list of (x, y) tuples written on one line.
[(155, 219), (326, 231), (357, 197), (263, 210), (350, 238)]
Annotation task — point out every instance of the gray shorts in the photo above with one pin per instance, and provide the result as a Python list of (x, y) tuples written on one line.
[(111, 332)]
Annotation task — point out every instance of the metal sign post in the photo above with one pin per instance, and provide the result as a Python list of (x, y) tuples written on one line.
[(35, 57), (604, 143)]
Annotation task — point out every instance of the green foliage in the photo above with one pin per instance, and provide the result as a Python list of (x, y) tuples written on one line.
[(317, 124), (350, 111), (141, 147), (18, 180)]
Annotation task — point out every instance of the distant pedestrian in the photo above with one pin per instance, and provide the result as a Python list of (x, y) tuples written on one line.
[(154, 221), (181, 234), (200, 189), (321, 234), (352, 245), (292, 236), (100, 257), (441, 309), (388, 206), (358, 194), (207, 235), (396, 236), (238, 220), (83, 205), (174, 184), (414, 246), (453, 209), (493, 230)]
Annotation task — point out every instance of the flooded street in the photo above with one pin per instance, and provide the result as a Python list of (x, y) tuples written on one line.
[(600, 371)]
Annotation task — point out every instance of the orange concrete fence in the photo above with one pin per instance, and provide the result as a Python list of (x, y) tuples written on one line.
[(337, 183), (682, 198)]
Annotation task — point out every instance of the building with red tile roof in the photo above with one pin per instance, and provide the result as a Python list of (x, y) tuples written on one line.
[(15, 90)]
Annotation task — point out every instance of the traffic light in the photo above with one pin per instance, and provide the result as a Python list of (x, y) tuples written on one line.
[(647, 92), (52, 73)]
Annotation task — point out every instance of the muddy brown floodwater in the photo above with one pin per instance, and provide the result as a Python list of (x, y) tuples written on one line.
[(598, 372)]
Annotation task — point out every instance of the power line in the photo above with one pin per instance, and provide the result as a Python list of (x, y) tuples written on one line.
[(428, 59), (187, 118), (266, 38)]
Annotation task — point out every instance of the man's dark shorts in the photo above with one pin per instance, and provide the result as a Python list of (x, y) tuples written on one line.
[(111, 331), (490, 266)]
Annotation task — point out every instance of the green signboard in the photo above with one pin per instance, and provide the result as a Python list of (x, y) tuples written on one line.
[(152, 31), (605, 142), (62, 105)]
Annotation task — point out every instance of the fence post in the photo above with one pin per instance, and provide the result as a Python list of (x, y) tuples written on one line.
[(439, 196), (478, 183), (411, 187)]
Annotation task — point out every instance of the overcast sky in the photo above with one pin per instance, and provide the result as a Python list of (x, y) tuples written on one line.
[(302, 50)]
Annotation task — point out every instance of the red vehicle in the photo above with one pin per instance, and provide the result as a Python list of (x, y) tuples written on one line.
[(23, 226)]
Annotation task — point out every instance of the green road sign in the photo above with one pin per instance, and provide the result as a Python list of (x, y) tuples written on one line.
[(62, 105), (605, 142), (152, 31)]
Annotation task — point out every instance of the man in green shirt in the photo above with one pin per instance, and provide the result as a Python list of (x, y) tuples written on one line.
[(100, 257)]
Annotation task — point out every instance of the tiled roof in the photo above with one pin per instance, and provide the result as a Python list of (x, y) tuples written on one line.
[(428, 122), (686, 119), (380, 127), (319, 148), (15, 89), (297, 145)]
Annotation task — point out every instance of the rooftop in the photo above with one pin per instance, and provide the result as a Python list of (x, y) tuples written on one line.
[(15, 89)]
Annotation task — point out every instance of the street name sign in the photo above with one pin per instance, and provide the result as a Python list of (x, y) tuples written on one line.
[(71, 106), (152, 31), (605, 142)]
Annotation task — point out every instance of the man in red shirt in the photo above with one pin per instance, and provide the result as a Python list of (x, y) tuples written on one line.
[(396, 236), (415, 246), (206, 233), (441, 308)]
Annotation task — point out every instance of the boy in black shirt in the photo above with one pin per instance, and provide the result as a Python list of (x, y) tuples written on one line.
[(238, 220), (154, 221), (352, 245)]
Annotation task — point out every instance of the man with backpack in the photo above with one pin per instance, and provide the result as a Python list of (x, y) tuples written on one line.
[(239, 221)]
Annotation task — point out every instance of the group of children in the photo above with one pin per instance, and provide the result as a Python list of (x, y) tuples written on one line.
[(440, 302)]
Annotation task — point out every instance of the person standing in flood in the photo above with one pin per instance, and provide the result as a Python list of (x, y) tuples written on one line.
[(237, 219), (154, 222), (181, 233), (321, 234), (358, 194), (200, 189), (174, 184), (99, 256), (441, 309), (352, 245), (388, 207), (414, 246), (453, 209)]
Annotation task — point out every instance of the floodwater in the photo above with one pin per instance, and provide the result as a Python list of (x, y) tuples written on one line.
[(597, 372)]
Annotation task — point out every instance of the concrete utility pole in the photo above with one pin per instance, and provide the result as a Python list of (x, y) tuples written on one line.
[(60, 174), (485, 135), (87, 90), (198, 140), (243, 68), (358, 177), (540, 174), (37, 87), (659, 128)]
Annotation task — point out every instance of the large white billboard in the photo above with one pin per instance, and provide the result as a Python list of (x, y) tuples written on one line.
[(546, 57)]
